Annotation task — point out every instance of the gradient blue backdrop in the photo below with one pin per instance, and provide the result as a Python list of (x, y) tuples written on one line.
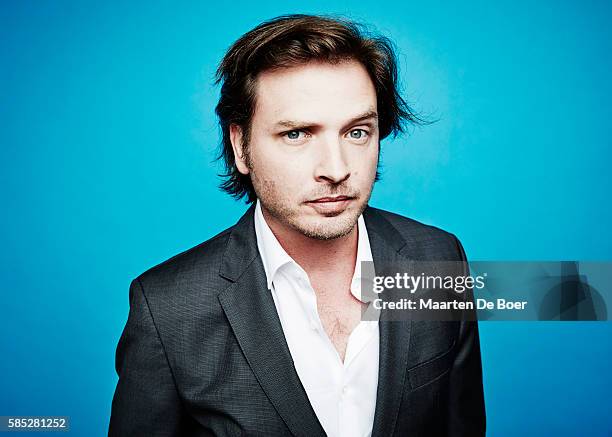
[(107, 142)]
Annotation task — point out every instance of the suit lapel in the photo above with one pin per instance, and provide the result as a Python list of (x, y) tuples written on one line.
[(386, 244), (250, 310)]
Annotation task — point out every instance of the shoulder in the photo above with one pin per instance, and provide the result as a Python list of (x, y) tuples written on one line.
[(423, 241), (413, 229), (180, 293), (197, 265)]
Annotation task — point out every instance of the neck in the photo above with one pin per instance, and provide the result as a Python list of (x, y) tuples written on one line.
[(312, 254)]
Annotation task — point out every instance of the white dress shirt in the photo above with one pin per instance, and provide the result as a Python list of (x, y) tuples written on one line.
[(342, 394)]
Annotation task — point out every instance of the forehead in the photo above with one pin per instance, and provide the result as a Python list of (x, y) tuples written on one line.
[(316, 91)]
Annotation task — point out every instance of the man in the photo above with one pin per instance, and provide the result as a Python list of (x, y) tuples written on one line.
[(258, 331)]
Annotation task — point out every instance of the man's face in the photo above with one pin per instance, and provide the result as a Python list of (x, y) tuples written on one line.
[(313, 149)]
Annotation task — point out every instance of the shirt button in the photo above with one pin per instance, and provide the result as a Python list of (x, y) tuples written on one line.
[(313, 325), (344, 389)]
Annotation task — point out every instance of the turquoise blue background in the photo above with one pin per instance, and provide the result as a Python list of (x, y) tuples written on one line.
[(107, 143)]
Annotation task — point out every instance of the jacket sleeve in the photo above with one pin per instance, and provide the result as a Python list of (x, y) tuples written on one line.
[(146, 401), (466, 416)]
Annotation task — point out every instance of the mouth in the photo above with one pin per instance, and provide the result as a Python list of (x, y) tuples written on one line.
[(331, 205), (331, 199)]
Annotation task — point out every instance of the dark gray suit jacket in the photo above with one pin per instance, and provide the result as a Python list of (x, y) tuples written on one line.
[(203, 351)]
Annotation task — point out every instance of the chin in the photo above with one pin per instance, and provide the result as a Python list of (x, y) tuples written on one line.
[(328, 228)]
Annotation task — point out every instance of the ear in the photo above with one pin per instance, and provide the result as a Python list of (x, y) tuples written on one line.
[(237, 146)]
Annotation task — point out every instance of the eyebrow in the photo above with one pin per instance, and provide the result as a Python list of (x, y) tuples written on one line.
[(293, 124)]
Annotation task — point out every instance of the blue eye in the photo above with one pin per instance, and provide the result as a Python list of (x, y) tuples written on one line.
[(357, 134), (293, 134)]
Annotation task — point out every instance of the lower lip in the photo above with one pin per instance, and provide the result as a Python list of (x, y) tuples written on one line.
[(330, 208)]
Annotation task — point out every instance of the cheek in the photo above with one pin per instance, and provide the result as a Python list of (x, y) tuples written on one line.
[(279, 175), (366, 165)]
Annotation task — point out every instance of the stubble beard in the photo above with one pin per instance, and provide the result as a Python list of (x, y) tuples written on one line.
[(322, 228)]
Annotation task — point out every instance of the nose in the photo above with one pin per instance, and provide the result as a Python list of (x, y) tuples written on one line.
[(332, 166)]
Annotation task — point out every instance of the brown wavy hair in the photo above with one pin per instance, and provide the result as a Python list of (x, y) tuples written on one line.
[(292, 40)]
